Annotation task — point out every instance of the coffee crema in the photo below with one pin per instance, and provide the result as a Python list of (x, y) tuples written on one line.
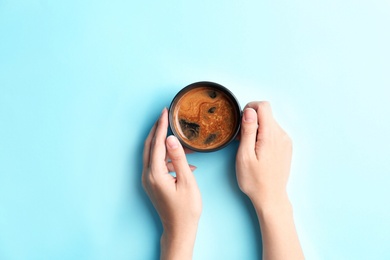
[(205, 118)]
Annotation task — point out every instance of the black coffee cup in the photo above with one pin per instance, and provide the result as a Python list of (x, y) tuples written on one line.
[(205, 116)]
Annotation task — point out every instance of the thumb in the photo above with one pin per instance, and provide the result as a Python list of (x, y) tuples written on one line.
[(248, 130), (178, 159)]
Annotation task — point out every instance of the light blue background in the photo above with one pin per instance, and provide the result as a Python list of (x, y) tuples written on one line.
[(81, 83)]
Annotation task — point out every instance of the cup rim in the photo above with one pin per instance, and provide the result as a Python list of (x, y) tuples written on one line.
[(205, 84)]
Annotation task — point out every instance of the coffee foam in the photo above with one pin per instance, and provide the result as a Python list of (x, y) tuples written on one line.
[(205, 118)]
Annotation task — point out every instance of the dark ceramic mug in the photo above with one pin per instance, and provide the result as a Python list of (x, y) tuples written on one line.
[(205, 116)]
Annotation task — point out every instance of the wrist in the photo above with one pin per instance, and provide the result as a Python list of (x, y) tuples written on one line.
[(271, 202), (178, 243), (177, 229)]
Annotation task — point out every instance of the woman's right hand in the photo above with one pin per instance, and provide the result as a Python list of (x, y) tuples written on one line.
[(263, 167), (264, 155)]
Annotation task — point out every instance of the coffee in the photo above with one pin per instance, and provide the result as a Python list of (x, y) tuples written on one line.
[(205, 117)]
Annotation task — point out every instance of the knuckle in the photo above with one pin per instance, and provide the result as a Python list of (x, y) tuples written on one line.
[(260, 144), (288, 141), (266, 134), (156, 142), (176, 155), (264, 105), (149, 181), (249, 129), (286, 138), (176, 158)]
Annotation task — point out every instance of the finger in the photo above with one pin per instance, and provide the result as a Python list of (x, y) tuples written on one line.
[(178, 160), (248, 131), (186, 151), (158, 149), (264, 115), (147, 146), (172, 169)]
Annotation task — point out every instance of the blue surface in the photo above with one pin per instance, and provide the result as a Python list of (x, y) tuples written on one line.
[(81, 83)]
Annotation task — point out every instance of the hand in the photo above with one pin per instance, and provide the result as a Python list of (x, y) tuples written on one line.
[(264, 155), (263, 167), (176, 199)]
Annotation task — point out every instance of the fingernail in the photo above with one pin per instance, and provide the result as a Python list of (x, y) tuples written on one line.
[(193, 167), (249, 115), (172, 142)]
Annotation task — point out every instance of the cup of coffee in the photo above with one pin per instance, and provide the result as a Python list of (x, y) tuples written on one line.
[(205, 116)]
